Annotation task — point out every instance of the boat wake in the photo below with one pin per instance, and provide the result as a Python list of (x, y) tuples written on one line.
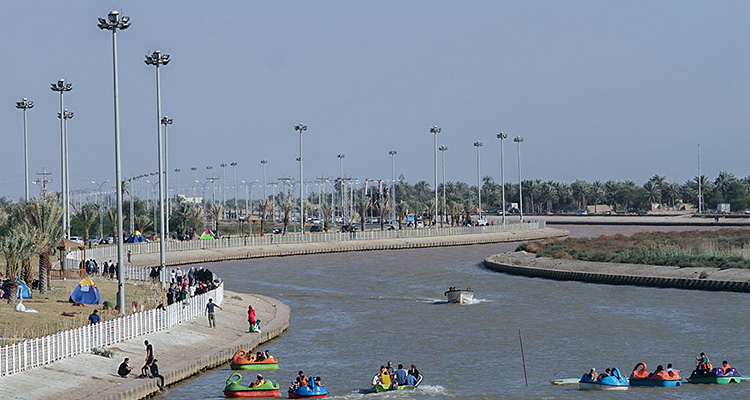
[(443, 301), (423, 390)]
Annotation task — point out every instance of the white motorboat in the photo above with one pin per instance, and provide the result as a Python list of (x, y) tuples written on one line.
[(459, 296)]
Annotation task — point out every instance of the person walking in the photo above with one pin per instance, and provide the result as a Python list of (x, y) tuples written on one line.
[(210, 310), (251, 317), (149, 352), (128, 256), (94, 317)]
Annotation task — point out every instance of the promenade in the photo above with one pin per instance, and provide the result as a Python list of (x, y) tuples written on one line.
[(182, 351), (699, 278), (292, 249)]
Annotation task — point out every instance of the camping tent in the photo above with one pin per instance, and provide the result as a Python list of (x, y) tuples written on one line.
[(86, 292), (207, 235), (136, 237), (23, 290)]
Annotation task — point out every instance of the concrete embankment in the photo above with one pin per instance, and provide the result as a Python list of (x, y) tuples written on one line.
[(182, 352), (714, 279), (240, 253), (645, 220)]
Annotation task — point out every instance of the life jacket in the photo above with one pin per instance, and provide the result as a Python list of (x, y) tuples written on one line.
[(593, 376), (302, 380), (726, 368), (385, 379), (705, 364)]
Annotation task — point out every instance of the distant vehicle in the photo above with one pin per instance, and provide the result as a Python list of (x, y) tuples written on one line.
[(76, 239), (608, 212), (316, 228), (373, 220), (349, 228), (420, 224), (482, 222), (315, 221), (276, 231), (747, 211), (723, 208), (583, 212), (410, 217), (94, 240)]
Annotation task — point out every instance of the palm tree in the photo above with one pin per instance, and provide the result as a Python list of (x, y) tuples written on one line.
[(597, 193), (143, 222), (362, 205), (401, 209), (431, 211), (45, 215), (286, 207), (383, 209), (263, 208), (452, 210), (326, 210), (215, 210), (86, 215), (548, 194), (653, 194), (581, 190), (659, 181), (195, 214), (18, 245), (112, 215)]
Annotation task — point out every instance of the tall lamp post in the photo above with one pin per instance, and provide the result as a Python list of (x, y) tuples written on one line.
[(113, 23), (166, 121), (156, 59), (263, 163), (443, 149), (700, 189), (234, 183), (24, 105), (393, 185), (502, 136), (518, 141), (223, 187), (65, 116), (435, 130), (62, 87), (301, 128), (96, 200), (342, 191), (177, 187), (479, 179), (194, 181)]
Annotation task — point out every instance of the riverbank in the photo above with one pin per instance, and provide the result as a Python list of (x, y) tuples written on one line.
[(714, 279), (182, 352), (294, 249), (645, 220)]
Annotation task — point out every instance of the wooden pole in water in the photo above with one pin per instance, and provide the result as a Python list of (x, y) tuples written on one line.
[(523, 358)]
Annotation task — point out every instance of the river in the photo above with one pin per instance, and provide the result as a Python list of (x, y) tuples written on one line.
[(352, 312)]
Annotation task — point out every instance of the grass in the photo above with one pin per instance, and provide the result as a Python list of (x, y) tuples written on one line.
[(725, 248), (16, 326)]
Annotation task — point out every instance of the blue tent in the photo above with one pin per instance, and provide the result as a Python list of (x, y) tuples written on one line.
[(86, 292), (23, 290), (136, 237)]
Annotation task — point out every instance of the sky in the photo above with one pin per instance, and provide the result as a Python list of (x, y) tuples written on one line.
[(598, 90)]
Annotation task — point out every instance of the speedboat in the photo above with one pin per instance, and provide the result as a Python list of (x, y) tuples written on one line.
[(241, 362), (612, 382), (309, 391), (234, 389), (459, 296), (715, 375), (664, 378)]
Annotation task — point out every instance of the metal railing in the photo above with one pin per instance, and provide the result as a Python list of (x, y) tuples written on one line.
[(110, 252), (32, 353)]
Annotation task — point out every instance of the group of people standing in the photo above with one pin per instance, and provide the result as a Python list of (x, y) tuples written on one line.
[(399, 377), (149, 370)]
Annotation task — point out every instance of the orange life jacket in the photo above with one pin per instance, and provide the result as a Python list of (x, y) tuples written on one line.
[(726, 368), (593, 376)]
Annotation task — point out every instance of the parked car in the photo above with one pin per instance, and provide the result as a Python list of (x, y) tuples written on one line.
[(94, 240), (316, 228), (276, 231), (76, 239), (482, 222)]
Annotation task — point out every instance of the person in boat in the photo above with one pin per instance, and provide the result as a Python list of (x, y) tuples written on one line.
[(258, 382), (400, 375), (301, 379), (250, 356), (385, 377), (414, 371), (725, 366), (704, 364), (605, 374), (390, 368), (259, 357), (318, 382), (468, 289), (267, 354), (593, 375), (411, 380), (658, 371)]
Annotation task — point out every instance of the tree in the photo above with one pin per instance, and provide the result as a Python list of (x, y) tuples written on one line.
[(653, 194), (215, 210), (383, 209), (362, 205), (286, 207), (86, 215), (17, 246), (581, 190), (326, 211), (263, 208), (143, 222), (401, 209), (45, 216), (195, 215)]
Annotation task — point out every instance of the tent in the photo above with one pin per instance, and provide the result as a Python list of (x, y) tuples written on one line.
[(207, 235), (23, 290), (136, 237), (86, 292)]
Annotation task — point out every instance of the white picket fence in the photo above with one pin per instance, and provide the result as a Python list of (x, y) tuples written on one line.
[(110, 252), (41, 351)]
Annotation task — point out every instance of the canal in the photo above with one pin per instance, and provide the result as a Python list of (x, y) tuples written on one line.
[(352, 312)]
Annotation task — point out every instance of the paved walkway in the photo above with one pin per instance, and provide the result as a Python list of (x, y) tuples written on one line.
[(182, 351), (278, 250)]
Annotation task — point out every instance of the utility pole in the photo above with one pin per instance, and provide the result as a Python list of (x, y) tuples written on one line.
[(43, 181)]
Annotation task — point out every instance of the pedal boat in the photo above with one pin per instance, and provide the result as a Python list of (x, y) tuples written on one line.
[(309, 391), (715, 376), (234, 389), (640, 377), (241, 362), (613, 382)]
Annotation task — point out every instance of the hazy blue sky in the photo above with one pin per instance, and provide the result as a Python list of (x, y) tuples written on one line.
[(598, 89)]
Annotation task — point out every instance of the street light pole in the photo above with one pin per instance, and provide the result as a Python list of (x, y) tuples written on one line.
[(101, 222), (518, 141), (435, 130), (443, 149), (342, 192), (479, 180), (193, 169), (113, 23), (24, 105), (62, 87), (177, 187), (393, 185), (68, 115), (234, 180), (502, 136), (301, 128), (166, 121), (263, 163), (156, 59), (700, 189), (223, 187)]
